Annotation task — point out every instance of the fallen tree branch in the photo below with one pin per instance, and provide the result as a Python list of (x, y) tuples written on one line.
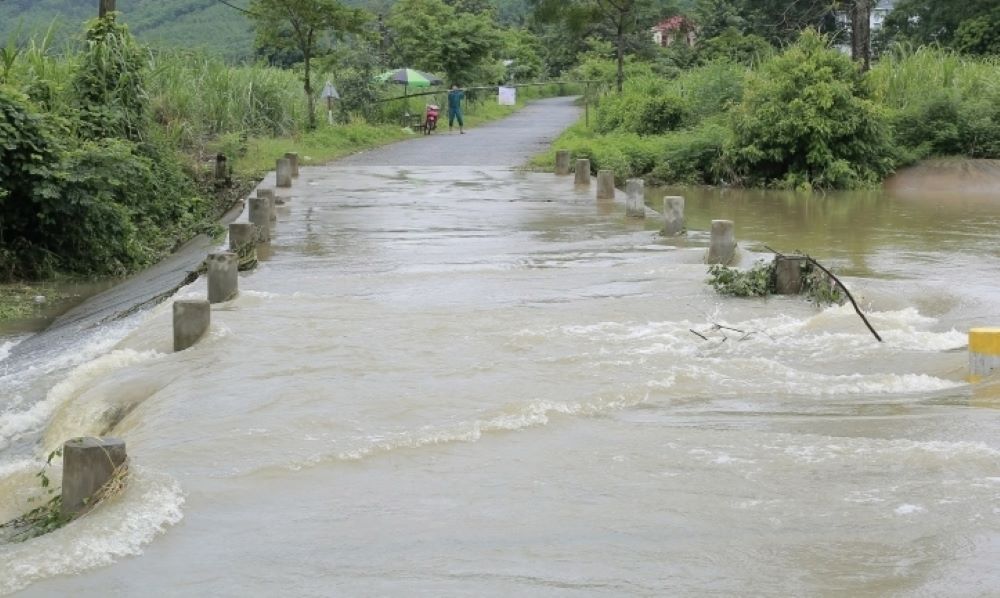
[(842, 287)]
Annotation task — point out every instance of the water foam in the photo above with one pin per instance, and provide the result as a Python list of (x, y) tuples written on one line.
[(8, 345), (533, 414), (15, 424), (121, 527)]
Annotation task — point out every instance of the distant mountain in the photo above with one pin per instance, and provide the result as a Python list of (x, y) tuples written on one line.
[(208, 24)]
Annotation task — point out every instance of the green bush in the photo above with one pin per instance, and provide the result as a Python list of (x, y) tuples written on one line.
[(644, 108), (940, 103), (806, 121), (693, 157)]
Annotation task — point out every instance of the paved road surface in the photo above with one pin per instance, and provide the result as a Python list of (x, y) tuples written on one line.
[(509, 142)]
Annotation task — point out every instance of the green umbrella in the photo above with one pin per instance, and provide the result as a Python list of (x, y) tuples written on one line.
[(409, 78)]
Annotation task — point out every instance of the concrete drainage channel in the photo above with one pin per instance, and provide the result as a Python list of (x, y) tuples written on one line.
[(95, 468)]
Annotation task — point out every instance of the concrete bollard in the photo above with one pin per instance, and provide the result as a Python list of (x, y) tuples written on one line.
[(562, 162), (788, 275), (635, 202), (582, 173), (88, 465), (293, 159), (272, 200), (283, 172), (723, 245), (673, 215), (605, 184), (241, 234), (984, 352), (223, 282), (192, 317), (260, 216)]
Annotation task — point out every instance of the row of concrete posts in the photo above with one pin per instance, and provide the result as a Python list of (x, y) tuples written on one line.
[(192, 317), (91, 464), (722, 249), (984, 343)]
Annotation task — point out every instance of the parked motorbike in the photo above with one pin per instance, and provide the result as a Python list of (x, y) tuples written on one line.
[(431, 118)]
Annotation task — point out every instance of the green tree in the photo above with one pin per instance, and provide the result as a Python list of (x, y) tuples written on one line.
[(430, 35), (939, 21), (307, 26), (620, 19), (524, 50), (806, 121), (980, 35)]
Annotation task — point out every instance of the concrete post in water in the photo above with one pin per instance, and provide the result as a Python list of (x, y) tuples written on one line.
[(223, 283), (192, 318), (788, 275), (984, 352), (582, 173), (283, 172), (88, 465), (673, 215), (260, 216), (562, 162), (635, 202), (272, 201), (293, 158), (241, 234), (605, 184), (723, 246)]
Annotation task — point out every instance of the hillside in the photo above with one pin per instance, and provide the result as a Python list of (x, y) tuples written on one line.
[(181, 23), (209, 24)]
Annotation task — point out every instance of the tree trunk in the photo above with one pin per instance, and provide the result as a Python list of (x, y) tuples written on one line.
[(104, 7), (861, 34), (621, 52), (310, 101)]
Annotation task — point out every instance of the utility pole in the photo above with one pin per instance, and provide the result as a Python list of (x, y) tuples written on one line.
[(104, 7)]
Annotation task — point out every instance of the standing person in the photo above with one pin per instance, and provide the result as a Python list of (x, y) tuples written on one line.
[(455, 97)]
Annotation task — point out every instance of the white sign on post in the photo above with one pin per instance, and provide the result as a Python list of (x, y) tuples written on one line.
[(507, 96)]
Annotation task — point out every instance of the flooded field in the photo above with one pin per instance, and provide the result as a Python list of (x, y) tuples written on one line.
[(475, 381)]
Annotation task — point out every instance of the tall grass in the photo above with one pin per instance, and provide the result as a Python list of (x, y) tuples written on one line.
[(905, 76), (194, 97), (940, 103)]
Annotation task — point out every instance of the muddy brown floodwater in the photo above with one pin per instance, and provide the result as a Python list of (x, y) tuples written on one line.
[(470, 380)]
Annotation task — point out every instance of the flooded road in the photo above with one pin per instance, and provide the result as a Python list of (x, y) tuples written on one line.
[(469, 380)]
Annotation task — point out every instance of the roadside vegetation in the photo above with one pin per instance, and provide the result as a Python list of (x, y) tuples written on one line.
[(754, 105), (107, 146)]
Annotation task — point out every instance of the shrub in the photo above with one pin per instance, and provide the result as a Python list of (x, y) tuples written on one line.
[(806, 121), (693, 156), (28, 155), (644, 107)]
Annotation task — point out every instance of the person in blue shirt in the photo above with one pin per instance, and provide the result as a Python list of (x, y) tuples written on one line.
[(455, 97)]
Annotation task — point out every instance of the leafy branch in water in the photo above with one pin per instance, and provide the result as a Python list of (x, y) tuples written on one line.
[(755, 282), (44, 518), (49, 516), (761, 281)]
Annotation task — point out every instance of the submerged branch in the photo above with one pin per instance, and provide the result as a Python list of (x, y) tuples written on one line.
[(842, 287)]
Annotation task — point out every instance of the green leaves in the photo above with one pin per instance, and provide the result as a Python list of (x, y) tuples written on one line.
[(806, 122), (755, 282)]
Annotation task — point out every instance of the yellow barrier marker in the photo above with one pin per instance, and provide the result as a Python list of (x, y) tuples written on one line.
[(984, 352)]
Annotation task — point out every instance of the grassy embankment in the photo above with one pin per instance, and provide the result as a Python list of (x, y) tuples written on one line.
[(802, 119)]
